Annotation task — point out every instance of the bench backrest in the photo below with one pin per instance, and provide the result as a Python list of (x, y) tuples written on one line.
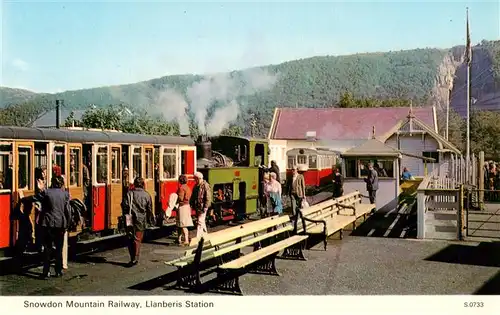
[(319, 207), (194, 241), (246, 230), (350, 199)]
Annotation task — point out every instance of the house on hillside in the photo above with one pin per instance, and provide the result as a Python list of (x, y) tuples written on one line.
[(48, 120), (413, 130)]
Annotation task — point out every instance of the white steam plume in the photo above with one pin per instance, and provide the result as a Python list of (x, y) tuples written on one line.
[(225, 89), (173, 107), (222, 88), (222, 117)]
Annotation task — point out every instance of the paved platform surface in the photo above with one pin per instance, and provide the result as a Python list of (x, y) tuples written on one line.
[(354, 265)]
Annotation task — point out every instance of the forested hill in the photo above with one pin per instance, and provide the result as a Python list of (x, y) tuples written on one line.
[(422, 75)]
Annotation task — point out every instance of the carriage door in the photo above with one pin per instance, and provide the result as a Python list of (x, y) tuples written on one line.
[(115, 195), (75, 172), (5, 193), (99, 182), (188, 164), (149, 180)]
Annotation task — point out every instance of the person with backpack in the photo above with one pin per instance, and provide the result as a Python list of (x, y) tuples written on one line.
[(54, 221)]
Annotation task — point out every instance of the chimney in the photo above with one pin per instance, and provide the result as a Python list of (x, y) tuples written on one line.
[(204, 147), (58, 114)]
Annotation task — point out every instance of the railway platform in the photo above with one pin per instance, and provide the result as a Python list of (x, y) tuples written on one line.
[(354, 265)]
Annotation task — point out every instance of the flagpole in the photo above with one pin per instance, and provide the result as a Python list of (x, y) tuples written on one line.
[(469, 61)]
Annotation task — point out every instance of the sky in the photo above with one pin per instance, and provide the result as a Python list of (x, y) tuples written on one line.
[(53, 46)]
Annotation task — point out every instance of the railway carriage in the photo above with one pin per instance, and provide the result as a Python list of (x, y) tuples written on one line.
[(109, 158), (318, 165), (100, 166)]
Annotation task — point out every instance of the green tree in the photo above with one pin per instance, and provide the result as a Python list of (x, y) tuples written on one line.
[(485, 134), (233, 130)]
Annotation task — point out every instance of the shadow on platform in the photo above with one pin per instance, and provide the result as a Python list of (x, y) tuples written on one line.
[(491, 287), (485, 254), (383, 224)]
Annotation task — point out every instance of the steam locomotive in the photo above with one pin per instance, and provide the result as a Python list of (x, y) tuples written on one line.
[(233, 168)]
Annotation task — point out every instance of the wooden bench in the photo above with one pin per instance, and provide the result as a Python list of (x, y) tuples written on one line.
[(224, 246), (354, 201), (331, 216)]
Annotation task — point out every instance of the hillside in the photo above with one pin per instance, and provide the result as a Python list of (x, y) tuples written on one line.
[(423, 75), (13, 96)]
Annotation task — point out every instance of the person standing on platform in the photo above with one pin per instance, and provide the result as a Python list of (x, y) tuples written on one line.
[(54, 221), (201, 200), (139, 204), (296, 190), (338, 184), (372, 184), (184, 219), (275, 169)]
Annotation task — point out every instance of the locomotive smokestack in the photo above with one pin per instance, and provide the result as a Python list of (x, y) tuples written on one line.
[(204, 147), (58, 114)]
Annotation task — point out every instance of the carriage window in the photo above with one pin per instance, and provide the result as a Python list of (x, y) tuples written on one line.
[(115, 165), (102, 165), (301, 159), (59, 167), (291, 162), (5, 167), (74, 167), (149, 163), (169, 163), (40, 155), (137, 163), (313, 161), (24, 168), (351, 168)]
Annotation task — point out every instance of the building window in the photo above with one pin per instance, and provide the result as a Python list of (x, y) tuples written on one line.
[(137, 163), (149, 163), (384, 168), (74, 167), (351, 169), (102, 165), (6, 167), (24, 168), (359, 168), (313, 161), (115, 165), (432, 154), (169, 163)]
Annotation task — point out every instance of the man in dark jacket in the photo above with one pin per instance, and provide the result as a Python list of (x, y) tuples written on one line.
[(54, 221), (338, 184), (372, 184), (139, 204), (275, 169)]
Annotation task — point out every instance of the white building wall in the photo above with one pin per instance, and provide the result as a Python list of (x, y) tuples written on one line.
[(415, 144), (277, 150)]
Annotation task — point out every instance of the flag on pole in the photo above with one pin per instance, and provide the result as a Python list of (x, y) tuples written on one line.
[(468, 47)]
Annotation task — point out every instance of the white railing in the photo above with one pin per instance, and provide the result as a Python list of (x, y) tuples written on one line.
[(440, 189)]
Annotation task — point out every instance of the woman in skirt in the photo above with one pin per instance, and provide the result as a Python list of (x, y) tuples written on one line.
[(184, 219)]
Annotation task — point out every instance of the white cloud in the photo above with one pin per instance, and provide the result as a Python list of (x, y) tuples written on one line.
[(20, 64)]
